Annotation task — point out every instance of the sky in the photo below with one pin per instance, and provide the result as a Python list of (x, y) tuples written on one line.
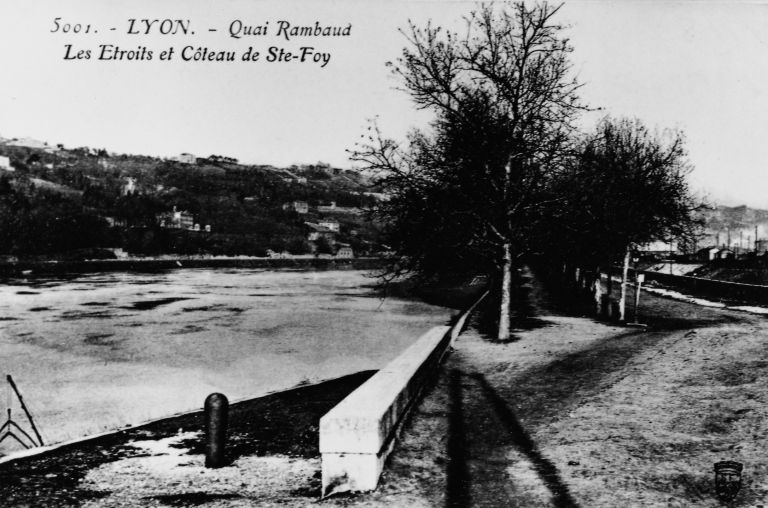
[(698, 66)]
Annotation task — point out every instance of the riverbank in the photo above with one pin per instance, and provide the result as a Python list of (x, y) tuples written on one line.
[(276, 434), (35, 268)]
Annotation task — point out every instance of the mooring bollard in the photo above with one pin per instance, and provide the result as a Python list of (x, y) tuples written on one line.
[(216, 413)]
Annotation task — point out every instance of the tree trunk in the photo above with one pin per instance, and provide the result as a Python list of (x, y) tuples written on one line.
[(597, 289), (506, 293), (624, 274)]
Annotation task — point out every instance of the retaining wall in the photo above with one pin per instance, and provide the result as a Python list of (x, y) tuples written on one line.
[(357, 434), (151, 265)]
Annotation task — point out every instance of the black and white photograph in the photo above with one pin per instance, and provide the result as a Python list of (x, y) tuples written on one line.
[(368, 253)]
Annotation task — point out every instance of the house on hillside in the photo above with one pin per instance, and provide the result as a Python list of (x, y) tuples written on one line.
[(186, 158), (277, 255), (5, 163), (31, 143), (297, 206), (331, 225), (345, 252), (291, 178), (317, 231), (176, 219), (379, 196), (129, 186), (298, 179), (327, 207), (116, 222)]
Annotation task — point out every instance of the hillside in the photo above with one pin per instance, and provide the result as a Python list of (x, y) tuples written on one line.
[(56, 200), (737, 223)]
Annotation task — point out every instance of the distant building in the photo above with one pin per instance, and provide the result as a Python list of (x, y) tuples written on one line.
[(129, 186), (332, 207), (725, 254), (294, 179), (176, 219), (29, 143), (277, 255), (345, 252), (5, 163), (329, 207), (187, 158), (119, 253), (116, 222), (316, 231), (297, 206), (380, 196), (658, 248), (331, 225), (707, 253), (185, 220)]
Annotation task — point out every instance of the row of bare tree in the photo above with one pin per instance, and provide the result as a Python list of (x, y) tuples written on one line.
[(504, 172)]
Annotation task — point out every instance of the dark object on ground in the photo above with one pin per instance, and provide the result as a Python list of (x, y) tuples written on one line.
[(216, 414), (282, 423)]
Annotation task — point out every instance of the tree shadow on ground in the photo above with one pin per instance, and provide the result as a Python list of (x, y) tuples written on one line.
[(561, 496), (192, 498), (459, 481)]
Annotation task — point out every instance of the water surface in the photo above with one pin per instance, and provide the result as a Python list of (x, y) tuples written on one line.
[(102, 351)]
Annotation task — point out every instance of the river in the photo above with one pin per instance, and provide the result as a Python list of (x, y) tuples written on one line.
[(102, 351)]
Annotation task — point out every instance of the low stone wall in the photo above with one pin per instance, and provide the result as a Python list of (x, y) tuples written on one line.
[(151, 265), (357, 435)]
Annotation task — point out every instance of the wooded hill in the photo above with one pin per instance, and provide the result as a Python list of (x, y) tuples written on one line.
[(55, 201)]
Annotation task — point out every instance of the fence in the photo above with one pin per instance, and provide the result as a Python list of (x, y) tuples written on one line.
[(713, 289)]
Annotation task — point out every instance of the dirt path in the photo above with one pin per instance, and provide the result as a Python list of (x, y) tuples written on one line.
[(581, 413)]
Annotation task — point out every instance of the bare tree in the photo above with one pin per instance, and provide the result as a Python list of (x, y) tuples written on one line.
[(628, 186), (470, 193)]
